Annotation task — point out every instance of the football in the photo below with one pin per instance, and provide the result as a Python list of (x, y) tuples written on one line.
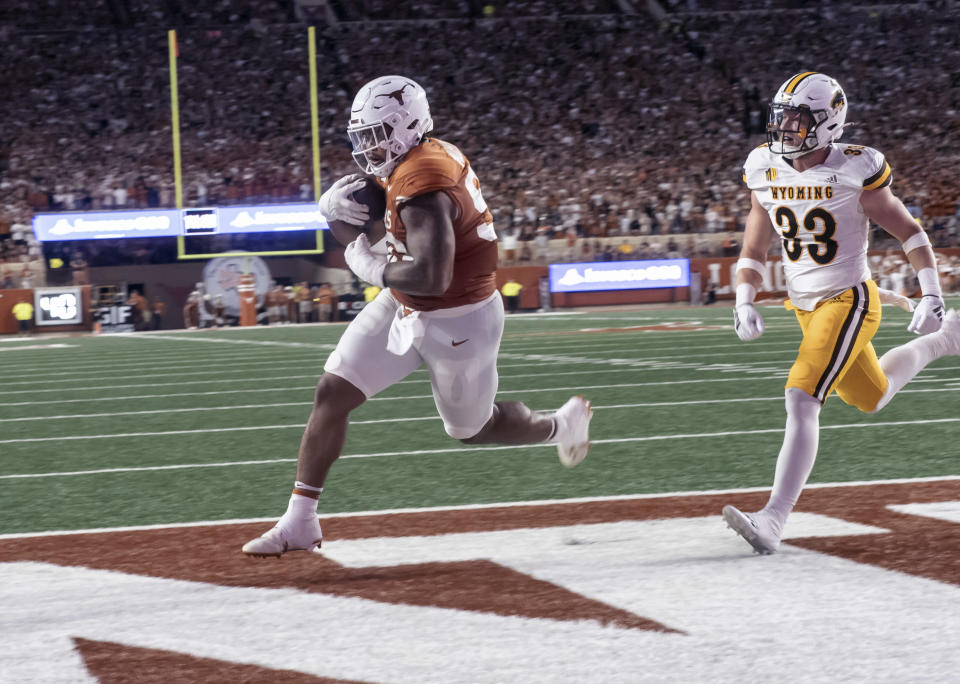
[(373, 197)]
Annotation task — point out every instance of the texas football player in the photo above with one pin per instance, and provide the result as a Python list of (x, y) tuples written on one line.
[(439, 305)]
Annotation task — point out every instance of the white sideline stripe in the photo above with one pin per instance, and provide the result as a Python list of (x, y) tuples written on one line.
[(241, 407), (417, 452), (483, 506)]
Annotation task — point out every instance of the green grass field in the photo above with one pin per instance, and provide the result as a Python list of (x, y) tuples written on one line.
[(99, 432)]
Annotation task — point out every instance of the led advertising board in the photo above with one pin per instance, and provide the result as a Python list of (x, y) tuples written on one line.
[(102, 225), (619, 275)]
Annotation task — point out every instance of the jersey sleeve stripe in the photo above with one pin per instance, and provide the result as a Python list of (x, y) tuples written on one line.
[(879, 179), (796, 81)]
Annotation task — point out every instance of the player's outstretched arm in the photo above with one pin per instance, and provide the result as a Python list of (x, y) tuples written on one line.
[(885, 209), (747, 321), (430, 241)]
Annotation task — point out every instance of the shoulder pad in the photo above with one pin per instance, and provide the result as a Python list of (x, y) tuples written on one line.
[(426, 168), (868, 164), (757, 163)]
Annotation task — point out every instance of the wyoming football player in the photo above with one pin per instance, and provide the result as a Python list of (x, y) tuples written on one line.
[(818, 196)]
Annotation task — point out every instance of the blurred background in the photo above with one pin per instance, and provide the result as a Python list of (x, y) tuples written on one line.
[(601, 130)]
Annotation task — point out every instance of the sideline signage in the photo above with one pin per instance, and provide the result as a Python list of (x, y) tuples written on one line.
[(619, 275), (57, 306), (151, 223)]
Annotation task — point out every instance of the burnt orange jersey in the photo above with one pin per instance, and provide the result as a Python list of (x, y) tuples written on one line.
[(437, 165)]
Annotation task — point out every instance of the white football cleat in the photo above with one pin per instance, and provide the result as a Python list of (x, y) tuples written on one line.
[(297, 535), (573, 430), (759, 529)]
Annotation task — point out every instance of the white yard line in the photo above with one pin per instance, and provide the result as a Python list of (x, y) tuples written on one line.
[(471, 507), (224, 340), (418, 452), (777, 376), (243, 407), (176, 372), (113, 362)]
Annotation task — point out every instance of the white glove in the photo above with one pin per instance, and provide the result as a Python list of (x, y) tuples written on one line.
[(892, 298), (929, 315), (748, 322), (367, 265), (337, 203)]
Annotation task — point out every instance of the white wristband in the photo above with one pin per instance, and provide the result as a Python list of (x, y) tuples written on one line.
[(929, 282), (745, 294), (916, 240), (752, 264)]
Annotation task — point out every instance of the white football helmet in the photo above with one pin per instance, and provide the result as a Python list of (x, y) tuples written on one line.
[(807, 114), (389, 116)]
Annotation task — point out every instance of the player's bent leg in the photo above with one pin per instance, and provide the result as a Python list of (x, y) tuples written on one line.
[(864, 383), (512, 422), (902, 364)]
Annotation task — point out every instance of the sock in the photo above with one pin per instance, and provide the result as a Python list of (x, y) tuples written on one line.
[(303, 500), (553, 431), (901, 364), (795, 461)]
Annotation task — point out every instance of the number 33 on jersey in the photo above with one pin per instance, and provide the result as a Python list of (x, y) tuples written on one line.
[(818, 215)]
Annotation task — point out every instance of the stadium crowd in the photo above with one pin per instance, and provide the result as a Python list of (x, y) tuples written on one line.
[(587, 119)]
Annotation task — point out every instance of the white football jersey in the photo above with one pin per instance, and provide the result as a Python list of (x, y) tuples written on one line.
[(824, 229)]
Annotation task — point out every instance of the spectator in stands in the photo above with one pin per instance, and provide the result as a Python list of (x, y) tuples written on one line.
[(79, 270), (509, 240), (625, 251), (100, 143)]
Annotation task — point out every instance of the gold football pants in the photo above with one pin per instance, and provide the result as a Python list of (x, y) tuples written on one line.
[(836, 352)]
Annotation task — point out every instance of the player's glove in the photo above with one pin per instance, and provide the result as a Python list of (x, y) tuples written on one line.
[(367, 265), (929, 315), (748, 322), (337, 203), (894, 299)]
